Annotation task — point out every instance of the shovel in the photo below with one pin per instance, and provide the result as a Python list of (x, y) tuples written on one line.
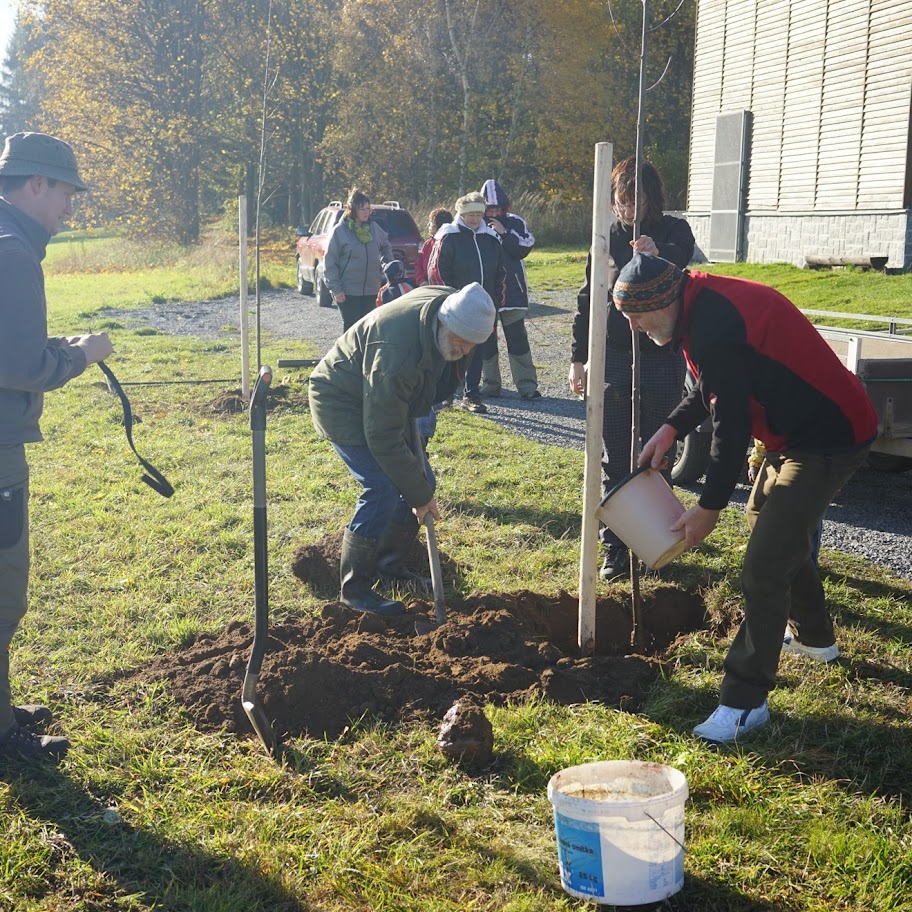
[(249, 701), (424, 626)]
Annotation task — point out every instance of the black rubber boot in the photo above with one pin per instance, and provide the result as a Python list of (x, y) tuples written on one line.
[(394, 549), (22, 743), (32, 716), (616, 563), (357, 572)]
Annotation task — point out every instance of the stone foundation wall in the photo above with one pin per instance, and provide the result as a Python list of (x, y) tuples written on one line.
[(789, 238)]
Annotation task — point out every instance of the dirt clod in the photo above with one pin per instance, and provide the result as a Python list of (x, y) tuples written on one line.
[(466, 734)]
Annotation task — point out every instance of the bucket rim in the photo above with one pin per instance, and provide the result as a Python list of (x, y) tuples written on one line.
[(627, 478), (632, 809)]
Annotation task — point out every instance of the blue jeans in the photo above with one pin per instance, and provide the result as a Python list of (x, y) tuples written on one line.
[(427, 424), (380, 502)]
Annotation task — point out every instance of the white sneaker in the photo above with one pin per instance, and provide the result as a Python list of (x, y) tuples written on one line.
[(728, 724), (817, 653)]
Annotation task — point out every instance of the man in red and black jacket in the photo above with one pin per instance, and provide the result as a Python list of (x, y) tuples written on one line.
[(763, 371)]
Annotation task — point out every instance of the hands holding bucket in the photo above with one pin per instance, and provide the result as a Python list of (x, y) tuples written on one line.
[(697, 522)]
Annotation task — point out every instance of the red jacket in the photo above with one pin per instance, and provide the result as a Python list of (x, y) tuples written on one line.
[(762, 370), (421, 264)]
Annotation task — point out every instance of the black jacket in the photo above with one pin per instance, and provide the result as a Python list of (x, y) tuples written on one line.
[(517, 242), (675, 241), (462, 256)]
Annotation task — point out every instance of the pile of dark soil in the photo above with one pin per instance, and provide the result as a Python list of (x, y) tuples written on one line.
[(321, 672)]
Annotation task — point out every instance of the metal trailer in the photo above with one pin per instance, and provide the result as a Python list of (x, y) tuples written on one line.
[(882, 360)]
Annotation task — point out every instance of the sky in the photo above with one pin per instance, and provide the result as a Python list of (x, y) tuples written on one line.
[(7, 21)]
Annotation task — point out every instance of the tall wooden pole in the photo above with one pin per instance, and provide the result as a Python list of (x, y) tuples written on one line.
[(242, 256), (602, 220)]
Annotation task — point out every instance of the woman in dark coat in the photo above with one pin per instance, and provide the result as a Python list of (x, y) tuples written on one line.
[(467, 251), (661, 368)]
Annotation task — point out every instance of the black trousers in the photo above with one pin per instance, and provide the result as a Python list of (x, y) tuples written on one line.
[(354, 307)]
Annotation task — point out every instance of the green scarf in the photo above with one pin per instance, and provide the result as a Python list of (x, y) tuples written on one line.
[(362, 230)]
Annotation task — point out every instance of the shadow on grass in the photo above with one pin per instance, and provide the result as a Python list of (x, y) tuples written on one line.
[(697, 895), (700, 894), (167, 874), (863, 757), (558, 524), (537, 309)]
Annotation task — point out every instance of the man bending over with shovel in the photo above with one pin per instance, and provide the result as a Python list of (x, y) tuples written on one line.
[(379, 376)]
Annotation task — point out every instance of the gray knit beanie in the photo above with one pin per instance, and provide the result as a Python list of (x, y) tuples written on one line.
[(469, 313)]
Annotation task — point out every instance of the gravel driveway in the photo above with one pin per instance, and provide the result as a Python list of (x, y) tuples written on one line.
[(872, 517)]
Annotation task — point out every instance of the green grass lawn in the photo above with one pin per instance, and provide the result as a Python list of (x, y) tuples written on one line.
[(148, 813)]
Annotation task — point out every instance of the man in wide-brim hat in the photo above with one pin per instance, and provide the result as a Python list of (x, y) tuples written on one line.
[(38, 180)]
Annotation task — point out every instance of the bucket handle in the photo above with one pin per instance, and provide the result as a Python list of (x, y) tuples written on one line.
[(670, 835)]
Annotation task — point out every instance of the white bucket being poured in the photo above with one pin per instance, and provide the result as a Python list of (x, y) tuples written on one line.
[(620, 831), (640, 509)]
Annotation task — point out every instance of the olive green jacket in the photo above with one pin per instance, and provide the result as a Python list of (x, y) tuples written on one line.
[(379, 376)]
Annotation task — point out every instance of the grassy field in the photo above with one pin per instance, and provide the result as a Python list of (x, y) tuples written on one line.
[(148, 813)]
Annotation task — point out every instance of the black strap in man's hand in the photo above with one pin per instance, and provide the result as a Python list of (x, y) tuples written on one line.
[(154, 479)]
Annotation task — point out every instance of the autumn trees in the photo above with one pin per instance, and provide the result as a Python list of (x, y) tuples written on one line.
[(414, 99)]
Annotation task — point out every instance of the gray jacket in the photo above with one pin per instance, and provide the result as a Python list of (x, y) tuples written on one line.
[(355, 268), (30, 362)]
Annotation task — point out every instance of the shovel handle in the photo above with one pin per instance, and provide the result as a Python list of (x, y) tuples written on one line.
[(436, 571), (433, 552)]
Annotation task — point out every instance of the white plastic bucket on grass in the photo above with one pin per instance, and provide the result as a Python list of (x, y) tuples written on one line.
[(620, 830), (640, 509)]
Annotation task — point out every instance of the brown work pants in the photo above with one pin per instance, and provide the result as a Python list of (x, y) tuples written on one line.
[(779, 580)]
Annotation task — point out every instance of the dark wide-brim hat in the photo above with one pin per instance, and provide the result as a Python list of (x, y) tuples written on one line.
[(25, 154), (647, 283)]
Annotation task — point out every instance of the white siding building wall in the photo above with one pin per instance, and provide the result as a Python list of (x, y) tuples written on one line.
[(829, 87)]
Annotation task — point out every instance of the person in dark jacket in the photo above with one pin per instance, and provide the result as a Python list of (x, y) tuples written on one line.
[(38, 180), (517, 242), (762, 370), (379, 376), (661, 369), (357, 250), (465, 251)]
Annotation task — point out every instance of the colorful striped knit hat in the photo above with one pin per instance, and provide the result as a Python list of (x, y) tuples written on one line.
[(647, 283)]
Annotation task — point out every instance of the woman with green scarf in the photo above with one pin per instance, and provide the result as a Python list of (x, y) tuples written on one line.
[(358, 250)]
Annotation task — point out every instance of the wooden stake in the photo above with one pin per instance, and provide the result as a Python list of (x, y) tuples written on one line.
[(602, 220)]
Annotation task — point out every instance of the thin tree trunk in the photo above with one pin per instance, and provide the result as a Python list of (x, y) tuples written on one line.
[(462, 62), (515, 106)]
